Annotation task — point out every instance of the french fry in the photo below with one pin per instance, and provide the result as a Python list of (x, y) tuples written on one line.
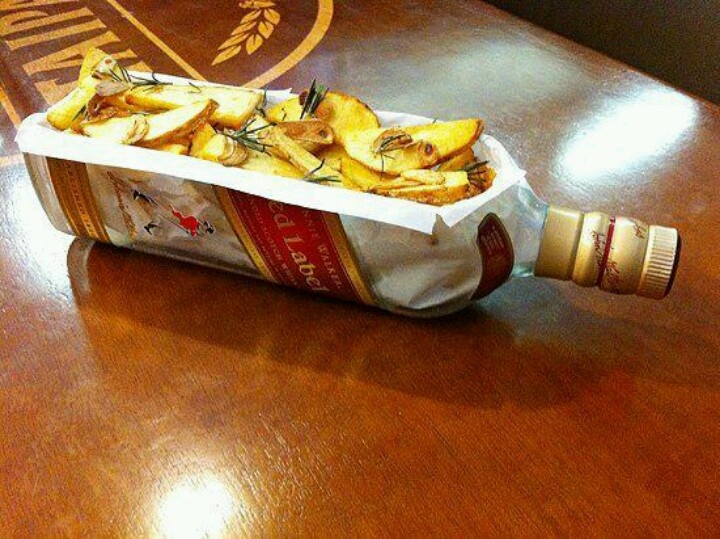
[(69, 111), (344, 113), (462, 159), (397, 150), (176, 123), (269, 164), (235, 105), (97, 62), (427, 187), (360, 176), (127, 130), (310, 134), (280, 145), (200, 138), (177, 148), (224, 150)]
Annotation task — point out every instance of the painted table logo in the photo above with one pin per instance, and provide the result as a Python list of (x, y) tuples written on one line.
[(256, 26)]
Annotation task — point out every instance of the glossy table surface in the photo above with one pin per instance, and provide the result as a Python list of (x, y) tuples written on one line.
[(141, 396)]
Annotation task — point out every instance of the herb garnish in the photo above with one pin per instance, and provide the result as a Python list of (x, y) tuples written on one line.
[(248, 136), (317, 179), (474, 166), (315, 94), (137, 80)]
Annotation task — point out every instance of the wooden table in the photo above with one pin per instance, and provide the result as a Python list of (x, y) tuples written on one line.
[(141, 396)]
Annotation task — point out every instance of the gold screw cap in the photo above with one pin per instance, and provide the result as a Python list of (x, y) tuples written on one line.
[(617, 254)]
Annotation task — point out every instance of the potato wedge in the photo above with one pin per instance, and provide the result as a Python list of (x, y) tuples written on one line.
[(173, 147), (312, 134), (269, 164), (462, 159), (201, 136), (174, 124), (450, 138), (118, 101), (368, 148), (427, 187), (224, 150), (97, 61), (446, 140), (235, 105), (362, 177), (481, 175), (68, 112), (343, 112), (282, 146), (128, 130)]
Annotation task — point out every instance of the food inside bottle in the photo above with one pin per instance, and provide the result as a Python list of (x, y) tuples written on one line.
[(408, 256), (321, 136)]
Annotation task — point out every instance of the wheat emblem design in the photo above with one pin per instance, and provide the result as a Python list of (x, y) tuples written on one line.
[(255, 28)]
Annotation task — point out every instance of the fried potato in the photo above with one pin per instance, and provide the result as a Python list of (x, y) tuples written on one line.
[(173, 147), (370, 149), (427, 145), (128, 130), (174, 124), (68, 112), (344, 113), (119, 101), (222, 149), (431, 164), (450, 138), (312, 134), (282, 146), (269, 164), (97, 61), (462, 159), (360, 176), (235, 105), (201, 136), (427, 187)]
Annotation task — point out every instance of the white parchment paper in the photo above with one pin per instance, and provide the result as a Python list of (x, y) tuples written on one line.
[(36, 136)]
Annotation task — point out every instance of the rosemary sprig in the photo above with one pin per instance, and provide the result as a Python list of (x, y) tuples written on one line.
[(386, 144), (311, 178), (315, 94), (248, 136), (384, 148), (81, 112), (196, 88), (474, 166), (137, 80)]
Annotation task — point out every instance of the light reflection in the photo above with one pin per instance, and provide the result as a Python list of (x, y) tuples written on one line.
[(41, 247), (196, 507), (631, 132)]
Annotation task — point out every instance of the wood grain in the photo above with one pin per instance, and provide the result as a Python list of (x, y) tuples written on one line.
[(141, 396)]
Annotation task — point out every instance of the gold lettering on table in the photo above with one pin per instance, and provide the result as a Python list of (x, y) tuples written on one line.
[(29, 20), (9, 5), (53, 92), (71, 57), (56, 34), (45, 27)]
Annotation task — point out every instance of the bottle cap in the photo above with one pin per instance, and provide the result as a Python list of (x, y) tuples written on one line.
[(617, 254)]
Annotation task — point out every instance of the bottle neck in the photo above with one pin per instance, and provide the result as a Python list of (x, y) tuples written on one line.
[(617, 254)]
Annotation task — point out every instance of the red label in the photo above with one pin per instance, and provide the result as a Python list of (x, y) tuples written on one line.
[(496, 252), (299, 247)]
